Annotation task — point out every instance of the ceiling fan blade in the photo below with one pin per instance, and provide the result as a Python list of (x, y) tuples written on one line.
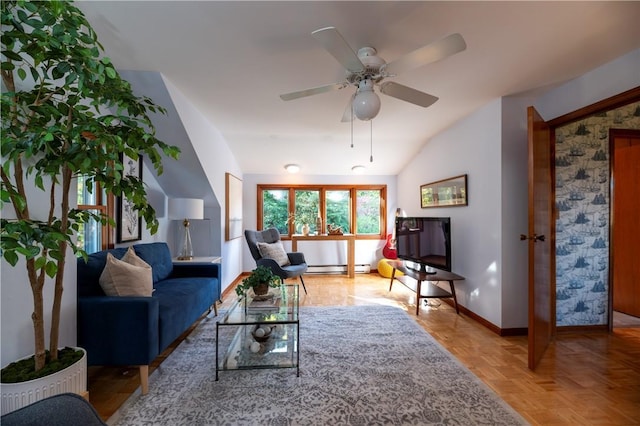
[(407, 94), (427, 54), (333, 42), (313, 91), (348, 111)]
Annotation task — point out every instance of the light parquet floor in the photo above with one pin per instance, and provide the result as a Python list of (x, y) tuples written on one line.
[(588, 378)]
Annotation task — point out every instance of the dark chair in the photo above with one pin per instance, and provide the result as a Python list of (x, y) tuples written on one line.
[(66, 409), (297, 265)]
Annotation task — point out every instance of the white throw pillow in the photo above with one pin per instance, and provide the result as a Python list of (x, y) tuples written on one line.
[(274, 251), (130, 276)]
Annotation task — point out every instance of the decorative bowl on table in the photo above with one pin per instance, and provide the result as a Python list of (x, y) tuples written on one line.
[(261, 332)]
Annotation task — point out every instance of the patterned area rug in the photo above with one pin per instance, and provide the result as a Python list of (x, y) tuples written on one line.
[(359, 365)]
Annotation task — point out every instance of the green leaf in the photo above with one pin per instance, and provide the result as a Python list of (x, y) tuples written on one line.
[(22, 73), (11, 257), (51, 269), (111, 73)]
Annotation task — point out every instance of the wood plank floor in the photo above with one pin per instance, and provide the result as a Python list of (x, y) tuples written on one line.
[(584, 379)]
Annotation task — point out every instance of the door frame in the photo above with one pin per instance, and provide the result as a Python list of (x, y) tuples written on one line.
[(613, 133), (624, 98)]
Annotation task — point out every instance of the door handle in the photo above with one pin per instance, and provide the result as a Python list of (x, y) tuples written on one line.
[(534, 237)]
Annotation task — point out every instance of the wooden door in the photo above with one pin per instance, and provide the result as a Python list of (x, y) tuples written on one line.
[(625, 225), (541, 238)]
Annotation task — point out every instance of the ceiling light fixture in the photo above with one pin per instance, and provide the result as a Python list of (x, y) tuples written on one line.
[(357, 169), (366, 104), (292, 168)]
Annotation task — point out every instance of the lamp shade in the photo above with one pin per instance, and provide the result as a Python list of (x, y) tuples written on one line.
[(186, 208)]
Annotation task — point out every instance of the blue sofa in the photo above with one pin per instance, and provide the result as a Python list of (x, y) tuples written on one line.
[(135, 330)]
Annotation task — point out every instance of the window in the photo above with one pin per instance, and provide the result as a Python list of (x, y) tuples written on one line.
[(368, 204), (358, 209), (93, 236)]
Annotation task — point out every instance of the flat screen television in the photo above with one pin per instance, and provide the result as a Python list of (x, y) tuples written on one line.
[(424, 242)]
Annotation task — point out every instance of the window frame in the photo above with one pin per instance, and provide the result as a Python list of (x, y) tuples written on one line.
[(353, 189), (105, 204)]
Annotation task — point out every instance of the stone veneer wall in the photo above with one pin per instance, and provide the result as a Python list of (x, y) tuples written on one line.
[(582, 229)]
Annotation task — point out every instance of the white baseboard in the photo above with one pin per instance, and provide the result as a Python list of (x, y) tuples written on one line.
[(337, 269)]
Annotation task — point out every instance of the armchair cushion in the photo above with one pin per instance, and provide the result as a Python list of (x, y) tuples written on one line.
[(274, 251)]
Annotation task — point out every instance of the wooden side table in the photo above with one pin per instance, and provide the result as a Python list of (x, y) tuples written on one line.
[(430, 290)]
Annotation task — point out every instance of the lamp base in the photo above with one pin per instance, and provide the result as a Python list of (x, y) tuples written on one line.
[(185, 257)]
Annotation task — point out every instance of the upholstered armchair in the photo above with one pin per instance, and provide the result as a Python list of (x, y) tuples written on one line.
[(267, 250)]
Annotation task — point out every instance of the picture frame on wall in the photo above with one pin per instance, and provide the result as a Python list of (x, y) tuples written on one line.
[(233, 207), (128, 220), (444, 193)]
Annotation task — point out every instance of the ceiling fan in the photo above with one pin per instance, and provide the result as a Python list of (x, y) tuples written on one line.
[(366, 70)]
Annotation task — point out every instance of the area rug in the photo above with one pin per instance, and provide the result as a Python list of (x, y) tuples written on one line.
[(359, 365)]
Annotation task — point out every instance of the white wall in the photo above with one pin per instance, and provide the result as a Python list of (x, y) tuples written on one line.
[(610, 79), (16, 297), (366, 252), (490, 145), (215, 158), (473, 147)]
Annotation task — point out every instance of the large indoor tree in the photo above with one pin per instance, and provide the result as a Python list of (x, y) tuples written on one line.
[(66, 112)]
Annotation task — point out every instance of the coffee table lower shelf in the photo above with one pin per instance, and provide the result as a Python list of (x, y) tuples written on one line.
[(280, 350)]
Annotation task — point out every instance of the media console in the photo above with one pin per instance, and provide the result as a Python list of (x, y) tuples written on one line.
[(430, 290)]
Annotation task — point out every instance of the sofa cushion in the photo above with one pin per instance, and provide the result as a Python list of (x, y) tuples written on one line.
[(130, 276), (158, 256), (274, 251)]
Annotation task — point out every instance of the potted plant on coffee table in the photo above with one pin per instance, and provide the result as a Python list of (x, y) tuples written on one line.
[(259, 281), (66, 112)]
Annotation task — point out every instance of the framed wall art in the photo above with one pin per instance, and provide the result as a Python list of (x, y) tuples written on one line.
[(233, 207), (444, 193), (128, 221)]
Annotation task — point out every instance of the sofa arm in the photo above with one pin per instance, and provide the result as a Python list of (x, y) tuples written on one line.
[(212, 270), (119, 330)]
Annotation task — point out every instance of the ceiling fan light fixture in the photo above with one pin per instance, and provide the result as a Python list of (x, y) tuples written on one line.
[(366, 103), (292, 168)]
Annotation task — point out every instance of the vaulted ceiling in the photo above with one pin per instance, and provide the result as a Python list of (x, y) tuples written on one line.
[(234, 59)]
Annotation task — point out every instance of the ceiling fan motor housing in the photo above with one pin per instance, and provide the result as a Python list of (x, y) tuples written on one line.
[(372, 64)]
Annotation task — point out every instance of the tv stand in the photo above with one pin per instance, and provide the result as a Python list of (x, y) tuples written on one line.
[(429, 290), (422, 268)]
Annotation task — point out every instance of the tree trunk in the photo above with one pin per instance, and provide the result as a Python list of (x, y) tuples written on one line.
[(59, 281), (37, 316)]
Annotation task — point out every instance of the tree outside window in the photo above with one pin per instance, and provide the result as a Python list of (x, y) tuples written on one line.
[(368, 212), (275, 210), (338, 212)]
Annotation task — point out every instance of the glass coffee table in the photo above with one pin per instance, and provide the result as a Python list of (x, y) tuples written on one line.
[(260, 332)]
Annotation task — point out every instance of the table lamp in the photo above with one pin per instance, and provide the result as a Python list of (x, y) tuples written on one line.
[(185, 209)]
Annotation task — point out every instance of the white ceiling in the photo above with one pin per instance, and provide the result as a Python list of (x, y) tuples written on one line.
[(234, 59)]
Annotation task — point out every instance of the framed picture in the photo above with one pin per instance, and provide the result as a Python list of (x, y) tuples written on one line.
[(128, 221), (233, 206), (444, 193)]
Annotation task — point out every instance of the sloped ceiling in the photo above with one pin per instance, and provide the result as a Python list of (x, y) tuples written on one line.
[(233, 59)]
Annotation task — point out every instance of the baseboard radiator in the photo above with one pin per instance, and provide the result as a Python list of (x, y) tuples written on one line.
[(337, 269)]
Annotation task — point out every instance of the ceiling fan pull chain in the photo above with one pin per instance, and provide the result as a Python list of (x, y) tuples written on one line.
[(352, 123), (371, 140)]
